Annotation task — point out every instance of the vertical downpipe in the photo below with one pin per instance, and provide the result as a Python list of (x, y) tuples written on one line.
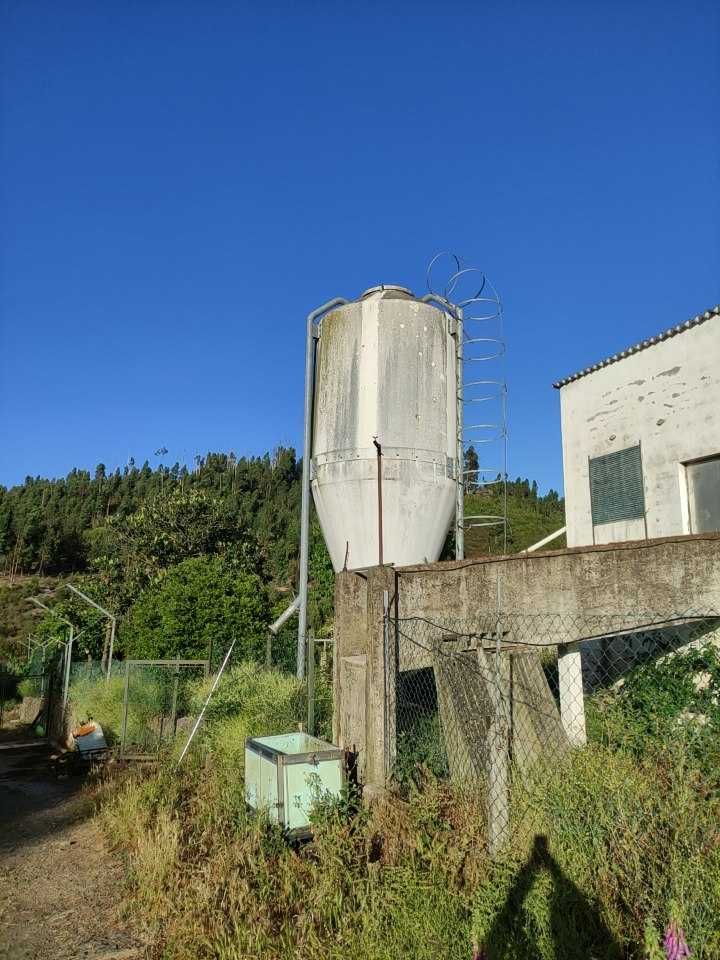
[(313, 336), (305, 505), (459, 447)]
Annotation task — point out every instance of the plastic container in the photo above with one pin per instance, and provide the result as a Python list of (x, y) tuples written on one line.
[(286, 775)]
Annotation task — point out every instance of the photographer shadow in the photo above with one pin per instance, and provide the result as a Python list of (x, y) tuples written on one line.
[(577, 929)]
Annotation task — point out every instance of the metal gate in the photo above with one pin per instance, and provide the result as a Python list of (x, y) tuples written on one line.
[(156, 698)]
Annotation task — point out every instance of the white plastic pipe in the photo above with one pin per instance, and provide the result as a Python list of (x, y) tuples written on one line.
[(548, 539), (284, 616), (204, 707)]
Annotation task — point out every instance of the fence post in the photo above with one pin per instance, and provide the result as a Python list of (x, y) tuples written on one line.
[(68, 665), (390, 689), (498, 814), (572, 699), (210, 654), (125, 708), (49, 697), (310, 679)]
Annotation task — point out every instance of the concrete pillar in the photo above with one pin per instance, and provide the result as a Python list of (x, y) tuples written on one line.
[(572, 698), (349, 720), (537, 730), (351, 645), (364, 702)]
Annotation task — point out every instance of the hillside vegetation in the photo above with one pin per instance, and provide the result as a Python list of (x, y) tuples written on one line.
[(120, 534)]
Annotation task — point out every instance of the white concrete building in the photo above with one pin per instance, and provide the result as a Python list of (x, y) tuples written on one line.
[(641, 438)]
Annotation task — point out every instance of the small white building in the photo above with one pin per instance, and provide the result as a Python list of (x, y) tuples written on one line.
[(641, 438)]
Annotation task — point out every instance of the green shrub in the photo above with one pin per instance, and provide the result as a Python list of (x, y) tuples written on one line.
[(196, 611), (673, 700)]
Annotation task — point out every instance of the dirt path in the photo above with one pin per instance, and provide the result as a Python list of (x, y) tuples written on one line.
[(60, 887)]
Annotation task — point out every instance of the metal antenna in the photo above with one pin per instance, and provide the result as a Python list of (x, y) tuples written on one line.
[(482, 389)]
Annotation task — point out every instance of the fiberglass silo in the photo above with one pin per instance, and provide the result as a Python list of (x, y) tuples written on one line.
[(385, 369)]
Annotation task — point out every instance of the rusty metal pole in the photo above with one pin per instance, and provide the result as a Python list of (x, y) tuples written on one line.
[(378, 447)]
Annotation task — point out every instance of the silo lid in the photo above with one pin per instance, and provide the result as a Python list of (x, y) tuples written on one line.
[(392, 290)]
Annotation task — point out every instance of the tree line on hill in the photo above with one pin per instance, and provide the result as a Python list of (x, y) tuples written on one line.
[(184, 555), (53, 526)]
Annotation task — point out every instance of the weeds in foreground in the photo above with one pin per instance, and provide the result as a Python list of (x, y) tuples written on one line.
[(626, 847), (615, 845)]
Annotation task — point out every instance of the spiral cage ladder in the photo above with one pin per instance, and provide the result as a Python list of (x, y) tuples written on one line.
[(475, 305)]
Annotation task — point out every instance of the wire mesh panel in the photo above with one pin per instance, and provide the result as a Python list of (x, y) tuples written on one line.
[(495, 704), (319, 679), (26, 697), (8, 694), (94, 671), (156, 702)]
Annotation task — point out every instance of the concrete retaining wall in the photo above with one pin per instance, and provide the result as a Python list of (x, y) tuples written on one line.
[(632, 583)]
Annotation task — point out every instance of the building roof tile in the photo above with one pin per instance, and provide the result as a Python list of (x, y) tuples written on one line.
[(643, 345)]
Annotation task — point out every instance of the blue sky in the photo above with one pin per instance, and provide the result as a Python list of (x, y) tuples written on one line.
[(182, 182)]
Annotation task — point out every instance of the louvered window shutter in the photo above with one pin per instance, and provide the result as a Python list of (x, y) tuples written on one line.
[(616, 486)]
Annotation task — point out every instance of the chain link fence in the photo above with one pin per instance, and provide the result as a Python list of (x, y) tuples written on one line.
[(156, 703), (142, 704), (27, 699), (145, 704), (319, 681), (492, 705)]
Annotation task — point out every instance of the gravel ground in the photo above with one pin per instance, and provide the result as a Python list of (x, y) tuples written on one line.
[(61, 888)]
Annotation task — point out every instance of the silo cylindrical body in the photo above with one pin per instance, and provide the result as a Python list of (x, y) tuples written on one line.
[(385, 369)]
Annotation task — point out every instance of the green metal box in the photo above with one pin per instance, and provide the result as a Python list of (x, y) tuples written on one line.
[(285, 774)]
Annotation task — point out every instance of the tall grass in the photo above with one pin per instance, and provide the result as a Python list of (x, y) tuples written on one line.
[(209, 881), (249, 701), (603, 852), (625, 844), (628, 847)]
